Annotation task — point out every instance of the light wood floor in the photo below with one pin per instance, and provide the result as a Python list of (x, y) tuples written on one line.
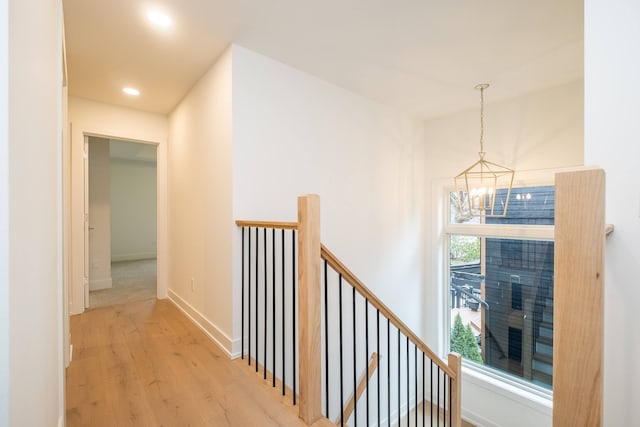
[(145, 364)]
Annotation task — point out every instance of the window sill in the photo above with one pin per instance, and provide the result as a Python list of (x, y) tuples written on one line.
[(539, 401)]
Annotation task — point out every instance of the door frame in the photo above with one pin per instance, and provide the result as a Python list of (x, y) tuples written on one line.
[(78, 303), (87, 252)]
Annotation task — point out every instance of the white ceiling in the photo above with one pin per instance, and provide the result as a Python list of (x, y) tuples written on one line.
[(420, 56)]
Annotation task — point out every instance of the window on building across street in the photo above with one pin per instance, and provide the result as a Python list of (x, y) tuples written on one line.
[(500, 287)]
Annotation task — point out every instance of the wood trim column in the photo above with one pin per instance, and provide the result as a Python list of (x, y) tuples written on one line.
[(578, 345), (309, 308)]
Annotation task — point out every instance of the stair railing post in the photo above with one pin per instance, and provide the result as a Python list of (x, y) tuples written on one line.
[(578, 298), (309, 344), (455, 405)]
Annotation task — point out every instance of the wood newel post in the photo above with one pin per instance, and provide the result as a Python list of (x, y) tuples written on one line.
[(309, 344), (455, 363), (578, 335)]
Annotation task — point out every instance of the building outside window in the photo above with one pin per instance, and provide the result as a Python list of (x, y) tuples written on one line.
[(500, 282)]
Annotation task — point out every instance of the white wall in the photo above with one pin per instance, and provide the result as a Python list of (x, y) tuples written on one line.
[(36, 383), (94, 118), (292, 134), (201, 223), (99, 214), (541, 130), (536, 131), (133, 209), (4, 213), (295, 134), (612, 129)]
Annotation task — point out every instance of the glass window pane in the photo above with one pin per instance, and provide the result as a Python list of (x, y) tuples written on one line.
[(527, 206), (465, 296), (519, 319), (502, 305)]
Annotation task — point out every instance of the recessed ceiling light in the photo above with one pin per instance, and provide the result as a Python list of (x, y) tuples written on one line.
[(159, 18), (131, 91)]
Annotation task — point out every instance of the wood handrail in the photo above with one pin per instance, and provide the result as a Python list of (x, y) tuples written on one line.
[(268, 224), (310, 252), (351, 278), (340, 268)]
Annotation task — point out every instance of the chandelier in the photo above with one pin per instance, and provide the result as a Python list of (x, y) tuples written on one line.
[(483, 189)]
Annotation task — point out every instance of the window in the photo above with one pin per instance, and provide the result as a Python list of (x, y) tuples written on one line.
[(500, 282)]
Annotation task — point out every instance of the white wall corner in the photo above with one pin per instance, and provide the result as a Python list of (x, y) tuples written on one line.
[(236, 348)]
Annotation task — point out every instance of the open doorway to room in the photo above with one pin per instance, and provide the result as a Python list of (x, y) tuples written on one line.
[(121, 241)]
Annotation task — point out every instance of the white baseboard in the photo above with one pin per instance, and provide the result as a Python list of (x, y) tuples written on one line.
[(133, 257), (96, 285), (225, 343)]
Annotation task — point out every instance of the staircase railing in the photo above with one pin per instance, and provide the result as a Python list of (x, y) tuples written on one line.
[(413, 383), (362, 386), (269, 303), (316, 334)]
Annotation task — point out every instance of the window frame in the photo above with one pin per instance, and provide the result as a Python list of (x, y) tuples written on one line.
[(445, 228)]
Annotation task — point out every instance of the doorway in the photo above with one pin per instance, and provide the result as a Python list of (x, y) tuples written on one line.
[(121, 241)]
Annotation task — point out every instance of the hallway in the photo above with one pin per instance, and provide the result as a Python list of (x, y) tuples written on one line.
[(145, 364)]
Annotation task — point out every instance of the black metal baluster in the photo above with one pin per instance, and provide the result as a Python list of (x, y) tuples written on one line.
[(257, 277), (366, 353), (423, 389), (388, 373), (249, 302), (326, 342), (341, 367), (273, 306), (355, 381), (408, 382), (438, 407), (399, 388), (379, 366), (431, 399), (264, 259), (293, 302), (444, 398), (284, 354), (450, 409), (242, 302), (415, 380)]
